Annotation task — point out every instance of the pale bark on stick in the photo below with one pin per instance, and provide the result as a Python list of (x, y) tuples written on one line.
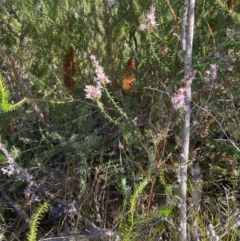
[(187, 41), (16, 168), (194, 208), (184, 26)]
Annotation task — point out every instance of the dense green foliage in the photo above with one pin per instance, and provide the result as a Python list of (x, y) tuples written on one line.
[(117, 157)]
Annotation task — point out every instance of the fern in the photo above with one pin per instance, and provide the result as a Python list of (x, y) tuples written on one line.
[(129, 224), (35, 219), (5, 105), (5, 95)]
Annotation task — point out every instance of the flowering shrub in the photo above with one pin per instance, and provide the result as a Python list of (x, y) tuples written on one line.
[(95, 92), (101, 78), (150, 21)]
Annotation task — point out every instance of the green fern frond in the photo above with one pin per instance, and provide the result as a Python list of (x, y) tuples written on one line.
[(5, 104), (130, 223), (135, 196), (35, 220)]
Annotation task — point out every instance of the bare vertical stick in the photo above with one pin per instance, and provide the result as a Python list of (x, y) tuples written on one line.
[(194, 208), (187, 41)]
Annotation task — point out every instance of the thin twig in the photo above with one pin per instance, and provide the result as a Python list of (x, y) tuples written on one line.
[(21, 213), (24, 86), (220, 125), (24, 173)]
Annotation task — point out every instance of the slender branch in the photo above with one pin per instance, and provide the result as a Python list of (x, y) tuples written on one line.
[(24, 86), (191, 16), (14, 165), (187, 42), (183, 26), (221, 127), (21, 213), (20, 171), (197, 185)]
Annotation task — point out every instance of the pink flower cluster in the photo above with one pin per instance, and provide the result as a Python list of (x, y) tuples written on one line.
[(101, 78), (178, 100), (150, 21), (92, 91)]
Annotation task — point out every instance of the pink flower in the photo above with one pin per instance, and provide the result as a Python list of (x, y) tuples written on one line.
[(93, 57), (143, 27), (101, 78), (93, 92), (150, 21), (178, 100), (214, 68), (151, 17)]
